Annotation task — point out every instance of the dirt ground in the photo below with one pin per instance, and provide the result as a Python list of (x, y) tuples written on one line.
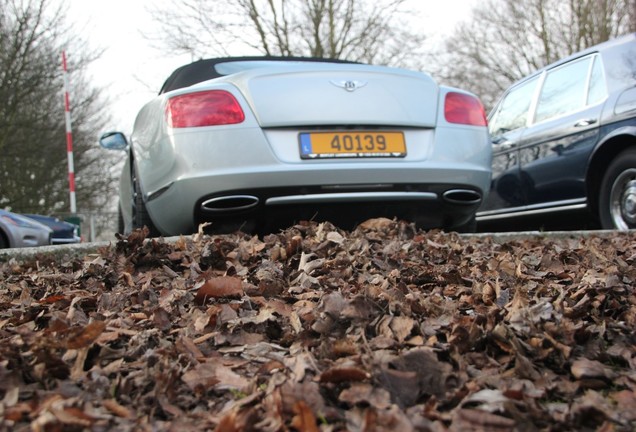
[(318, 329)]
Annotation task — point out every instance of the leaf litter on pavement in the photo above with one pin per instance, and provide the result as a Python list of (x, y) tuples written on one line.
[(316, 329)]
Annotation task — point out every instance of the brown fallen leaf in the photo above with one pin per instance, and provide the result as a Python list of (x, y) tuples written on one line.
[(219, 287), (414, 374), (586, 368), (116, 408), (472, 420), (377, 224), (304, 419), (228, 423), (85, 336), (366, 394), (626, 404), (213, 374), (343, 374), (53, 299), (72, 416)]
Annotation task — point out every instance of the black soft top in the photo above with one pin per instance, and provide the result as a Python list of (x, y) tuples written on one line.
[(203, 70)]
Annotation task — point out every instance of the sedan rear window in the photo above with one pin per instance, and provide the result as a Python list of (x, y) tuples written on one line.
[(564, 90), (512, 113)]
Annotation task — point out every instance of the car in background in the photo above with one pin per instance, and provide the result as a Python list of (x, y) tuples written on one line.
[(256, 143), (564, 140), (19, 231), (63, 232)]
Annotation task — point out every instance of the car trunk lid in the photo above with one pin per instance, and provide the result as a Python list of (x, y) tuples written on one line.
[(343, 95)]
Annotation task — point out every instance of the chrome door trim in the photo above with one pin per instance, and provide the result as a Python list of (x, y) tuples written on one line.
[(536, 209)]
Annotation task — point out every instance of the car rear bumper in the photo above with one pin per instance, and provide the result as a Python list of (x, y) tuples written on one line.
[(449, 198), (276, 209)]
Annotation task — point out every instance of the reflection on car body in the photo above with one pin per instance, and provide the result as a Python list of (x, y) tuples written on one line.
[(259, 142), (564, 139)]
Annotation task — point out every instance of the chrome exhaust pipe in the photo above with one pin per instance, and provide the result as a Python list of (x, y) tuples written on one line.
[(229, 203), (462, 196)]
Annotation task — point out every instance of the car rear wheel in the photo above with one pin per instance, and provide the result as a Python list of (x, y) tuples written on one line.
[(617, 200), (4, 243), (140, 216), (121, 226)]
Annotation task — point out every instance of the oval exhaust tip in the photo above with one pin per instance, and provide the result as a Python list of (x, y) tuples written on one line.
[(462, 196), (229, 203)]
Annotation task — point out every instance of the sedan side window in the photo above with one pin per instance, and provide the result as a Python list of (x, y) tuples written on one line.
[(512, 112), (564, 90)]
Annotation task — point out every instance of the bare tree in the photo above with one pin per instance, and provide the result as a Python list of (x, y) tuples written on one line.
[(33, 156), (360, 30), (508, 39)]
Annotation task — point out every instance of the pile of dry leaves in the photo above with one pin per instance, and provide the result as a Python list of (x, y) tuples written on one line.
[(382, 328)]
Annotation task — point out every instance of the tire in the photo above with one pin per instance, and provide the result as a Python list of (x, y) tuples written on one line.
[(140, 216), (121, 227), (4, 243), (617, 195)]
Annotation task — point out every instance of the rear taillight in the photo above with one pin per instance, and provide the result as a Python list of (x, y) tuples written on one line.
[(464, 109), (207, 108)]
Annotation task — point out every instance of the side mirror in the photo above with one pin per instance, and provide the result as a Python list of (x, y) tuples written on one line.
[(113, 141)]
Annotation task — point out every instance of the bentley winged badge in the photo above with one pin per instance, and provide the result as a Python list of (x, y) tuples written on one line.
[(349, 85)]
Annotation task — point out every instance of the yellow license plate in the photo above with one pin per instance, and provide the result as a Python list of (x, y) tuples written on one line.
[(315, 145)]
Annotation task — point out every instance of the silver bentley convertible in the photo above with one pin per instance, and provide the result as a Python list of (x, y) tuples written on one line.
[(258, 143)]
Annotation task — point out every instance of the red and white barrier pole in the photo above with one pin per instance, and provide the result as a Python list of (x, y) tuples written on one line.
[(69, 136)]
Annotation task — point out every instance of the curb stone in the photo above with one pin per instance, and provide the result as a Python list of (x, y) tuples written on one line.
[(85, 249)]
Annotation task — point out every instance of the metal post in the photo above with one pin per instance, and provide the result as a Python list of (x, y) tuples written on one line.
[(69, 136)]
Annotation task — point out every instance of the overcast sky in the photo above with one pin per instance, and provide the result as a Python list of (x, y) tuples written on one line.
[(132, 71)]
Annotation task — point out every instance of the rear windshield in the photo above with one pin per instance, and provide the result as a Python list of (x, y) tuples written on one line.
[(228, 68), (208, 69)]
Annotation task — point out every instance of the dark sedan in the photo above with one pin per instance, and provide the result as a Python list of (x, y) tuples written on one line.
[(564, 140), (63, 232)]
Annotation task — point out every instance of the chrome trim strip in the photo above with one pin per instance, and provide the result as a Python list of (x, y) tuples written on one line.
[(374, 186), (155, 194), (352, 197), (560, 206), (208, 205)]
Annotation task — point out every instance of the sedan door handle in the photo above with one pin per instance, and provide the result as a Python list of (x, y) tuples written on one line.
[(586, 122)]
